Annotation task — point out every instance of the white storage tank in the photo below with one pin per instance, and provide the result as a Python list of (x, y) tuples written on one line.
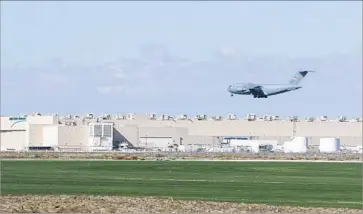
[(359, 149), (299, 144), (255, 147), (329, 145), (296, 145), (181, 148), (287, 147)]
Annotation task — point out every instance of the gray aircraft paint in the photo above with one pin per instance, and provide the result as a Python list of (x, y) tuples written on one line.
[(265, 90)]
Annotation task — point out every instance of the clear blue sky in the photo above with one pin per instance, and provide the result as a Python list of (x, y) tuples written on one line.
[(179, 57)]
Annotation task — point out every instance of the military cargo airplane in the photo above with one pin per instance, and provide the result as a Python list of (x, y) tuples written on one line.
[(265, 90)]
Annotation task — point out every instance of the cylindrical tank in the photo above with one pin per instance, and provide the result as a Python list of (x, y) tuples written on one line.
[(329, 145), (255, 146), (287, 147), (181, 148), (299, 144)]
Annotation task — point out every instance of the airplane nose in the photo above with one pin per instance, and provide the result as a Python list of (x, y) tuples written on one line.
[(229, 88)]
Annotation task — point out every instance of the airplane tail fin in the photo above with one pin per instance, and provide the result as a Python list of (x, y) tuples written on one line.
[(296, 79)]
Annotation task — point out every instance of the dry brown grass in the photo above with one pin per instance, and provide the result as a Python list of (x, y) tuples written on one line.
[(173, 156), (125, 157), (114, 204)]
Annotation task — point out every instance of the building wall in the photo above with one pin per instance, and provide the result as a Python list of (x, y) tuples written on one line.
[(29, 135), (37, 130), (47, 120), (349, 141), (329, 129), (280, 139), (12, 140), (240, 128), (153, 123), (132, 133), (156, 142), (6, 124), (34, 135), (201, 140), (73, 137), (128, 134), (257, 128), (13, 134), (174, 132), (350, 133), (50, 135)]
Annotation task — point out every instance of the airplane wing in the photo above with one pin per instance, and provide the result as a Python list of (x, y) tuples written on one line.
[(256, 90)]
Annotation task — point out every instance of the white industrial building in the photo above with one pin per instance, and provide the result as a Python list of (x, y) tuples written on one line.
[(180, 133)]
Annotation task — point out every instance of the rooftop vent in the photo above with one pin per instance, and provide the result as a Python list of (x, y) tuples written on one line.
[(201, 117), (165, 117), (182, 117), (267, 118), (250, 117), (323, 118), (231, 117), (70, 123), (217, 118), (152, 116), (130, 116), (310, 119), (106, 117), (121, 117), (89, 116), (294, 118), (342, 119)]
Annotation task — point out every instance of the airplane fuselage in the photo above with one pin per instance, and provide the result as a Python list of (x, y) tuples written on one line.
[(266, 89)]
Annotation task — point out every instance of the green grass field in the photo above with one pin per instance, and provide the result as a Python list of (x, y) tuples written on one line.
[(295, 184)]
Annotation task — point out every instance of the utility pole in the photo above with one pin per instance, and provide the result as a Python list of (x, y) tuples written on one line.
[(293, 128)]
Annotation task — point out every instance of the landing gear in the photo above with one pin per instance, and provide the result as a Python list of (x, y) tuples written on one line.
[(231, 95), (255, 96)]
